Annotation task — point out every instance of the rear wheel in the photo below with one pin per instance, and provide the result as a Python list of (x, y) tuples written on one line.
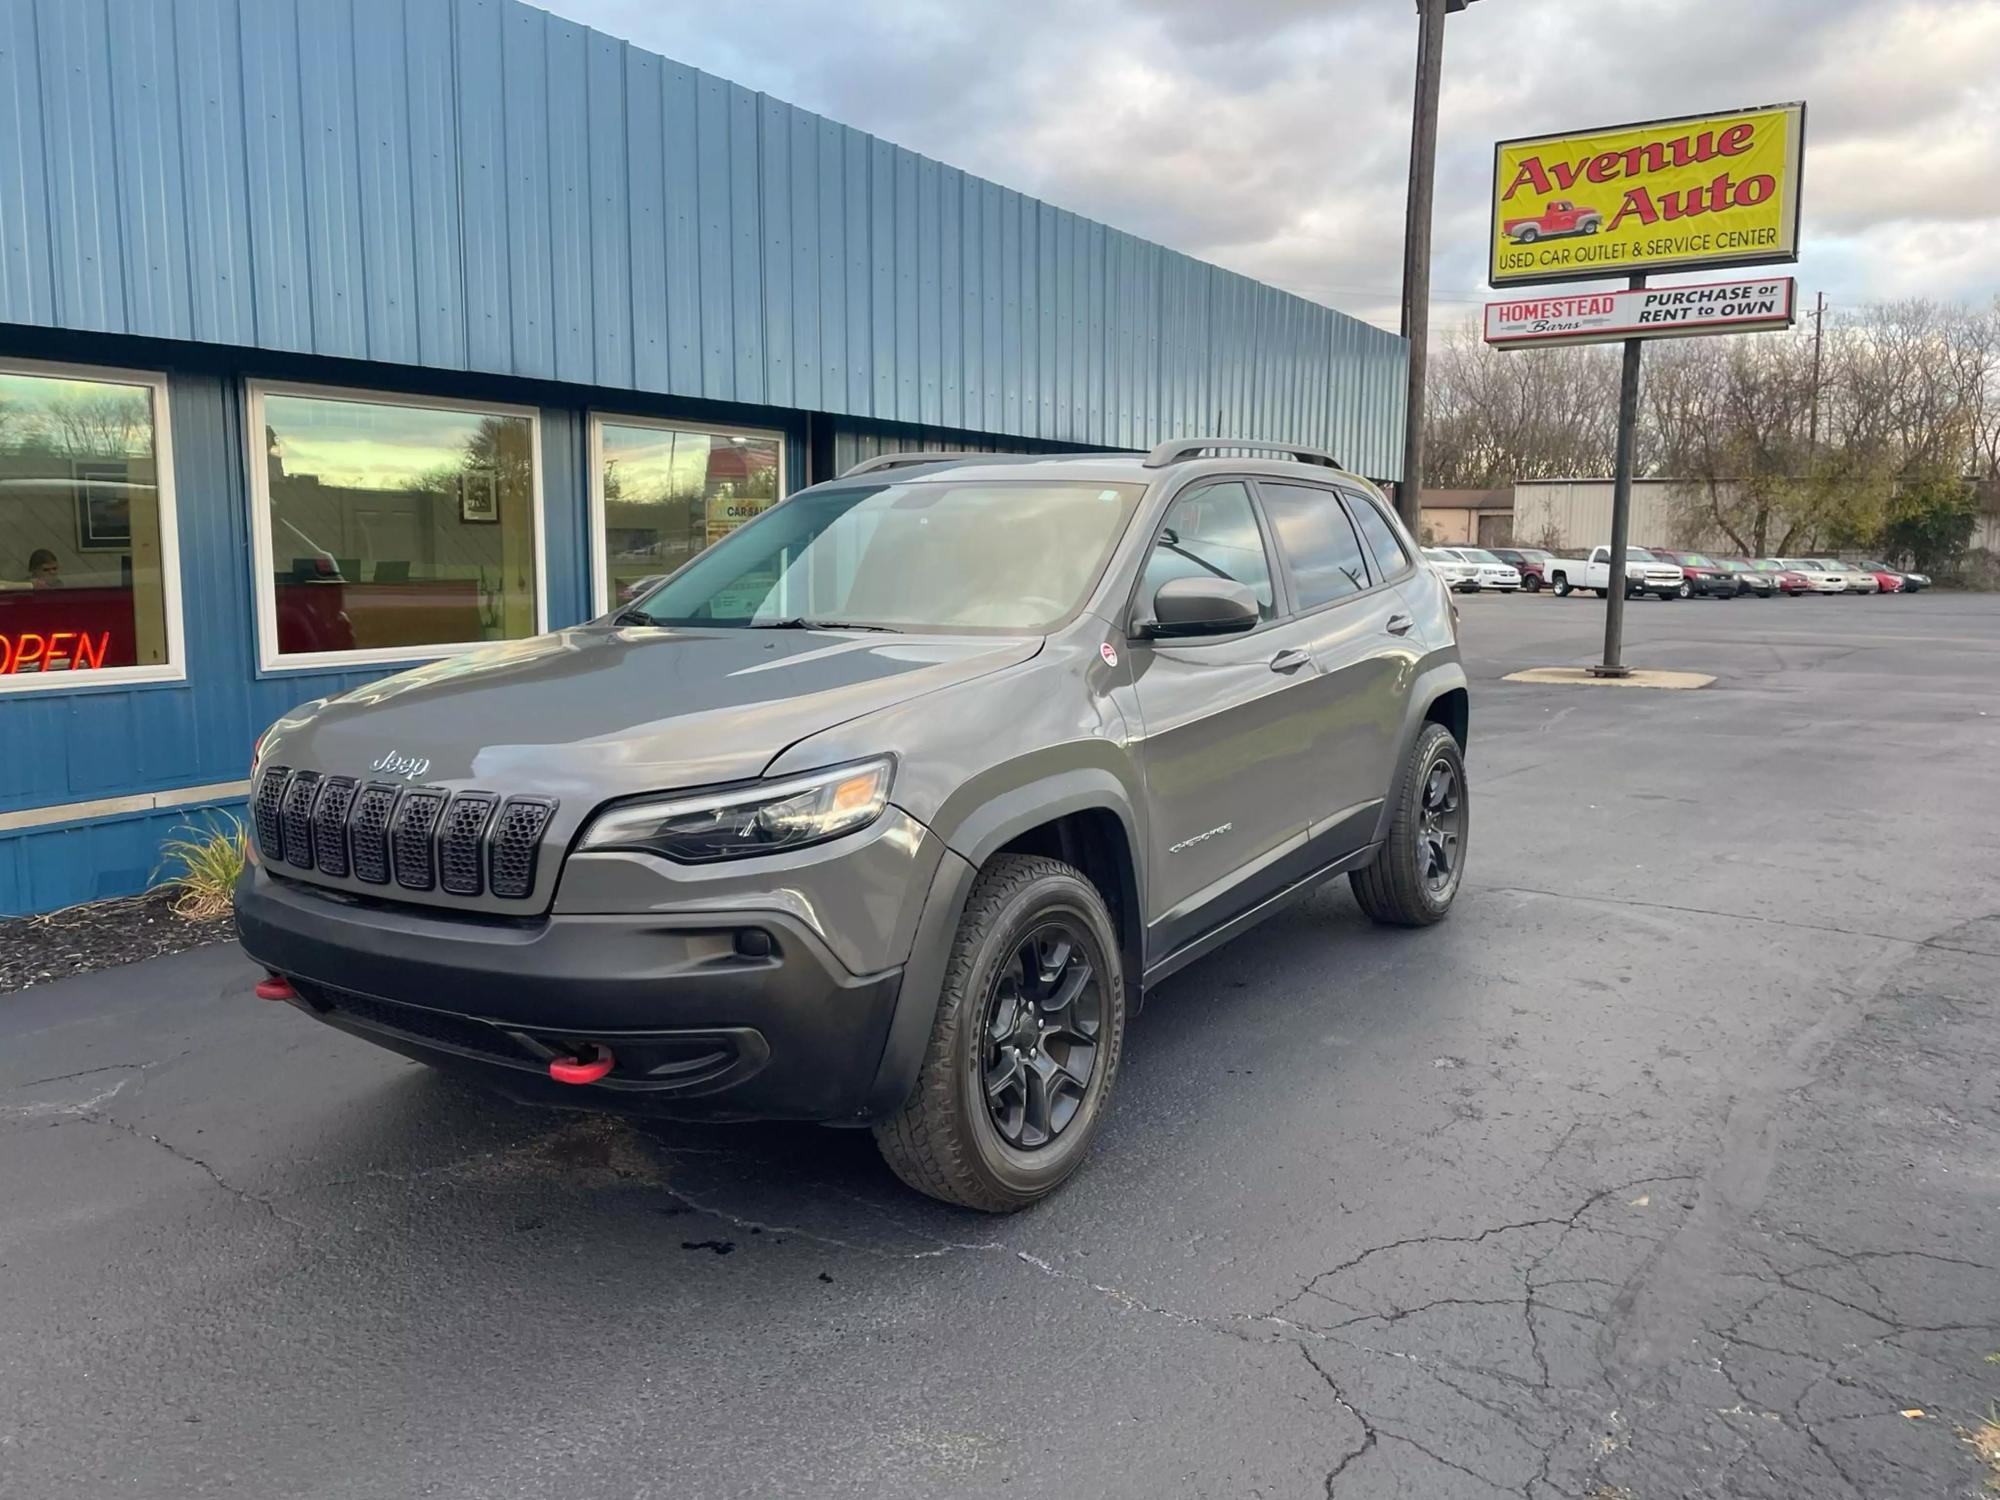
[(1416, 873), (1023, 1053)]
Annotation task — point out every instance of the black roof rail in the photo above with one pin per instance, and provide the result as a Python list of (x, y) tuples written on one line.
[(1182, 449), (910, 460)]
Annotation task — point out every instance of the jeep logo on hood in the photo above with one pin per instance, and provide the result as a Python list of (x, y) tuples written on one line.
[(410, 767)]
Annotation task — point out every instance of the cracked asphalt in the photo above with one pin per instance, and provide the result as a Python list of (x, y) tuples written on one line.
[(1669, 1166)]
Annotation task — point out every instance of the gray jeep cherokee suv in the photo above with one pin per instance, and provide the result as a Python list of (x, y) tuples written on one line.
[(887, 809)]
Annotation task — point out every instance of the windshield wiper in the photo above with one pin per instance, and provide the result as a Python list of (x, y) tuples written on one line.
[(633, 617), (799, 622)]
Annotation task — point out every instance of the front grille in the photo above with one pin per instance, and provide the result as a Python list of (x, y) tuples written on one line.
[(264, 812), (368, 833), (329, 826), (422, 838), (410, 838), (516, 838), (461, 842), (295, 814)]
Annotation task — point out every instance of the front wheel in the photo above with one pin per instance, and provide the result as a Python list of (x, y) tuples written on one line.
[(1416, 872), (1025, 1048), (1686, 589), (1532, 584), (1561, 586)]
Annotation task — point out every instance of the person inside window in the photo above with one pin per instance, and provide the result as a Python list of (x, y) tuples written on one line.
[(44, 572)]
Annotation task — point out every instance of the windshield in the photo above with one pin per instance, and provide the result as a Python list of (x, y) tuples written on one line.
[(1730, 565), (991, 556), (1697, 559), (1474, 554), (1639, 554)]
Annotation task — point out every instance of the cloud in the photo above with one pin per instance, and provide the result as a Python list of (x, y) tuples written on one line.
[(1271, 136)]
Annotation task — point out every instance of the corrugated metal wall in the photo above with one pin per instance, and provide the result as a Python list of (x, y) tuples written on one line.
[(478, 185), (1577, 513)]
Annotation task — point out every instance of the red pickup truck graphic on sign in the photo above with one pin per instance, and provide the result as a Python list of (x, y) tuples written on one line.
[(1561, 217)]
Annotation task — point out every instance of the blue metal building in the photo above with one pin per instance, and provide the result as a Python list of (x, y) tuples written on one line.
[(337, 334)]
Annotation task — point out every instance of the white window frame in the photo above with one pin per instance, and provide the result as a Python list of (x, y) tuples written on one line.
[(600, 570), (269, 660), (174, 668)]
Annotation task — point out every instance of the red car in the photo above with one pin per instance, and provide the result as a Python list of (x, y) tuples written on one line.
[(1561, 217), (1530, 562)]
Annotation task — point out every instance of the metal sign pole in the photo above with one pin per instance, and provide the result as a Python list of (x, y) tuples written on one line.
[(1621, 510)]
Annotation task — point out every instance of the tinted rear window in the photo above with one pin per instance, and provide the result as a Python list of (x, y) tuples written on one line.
[(1317, 540)]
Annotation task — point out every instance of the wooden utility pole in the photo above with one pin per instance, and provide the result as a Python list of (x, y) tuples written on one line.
[(1417, 249)]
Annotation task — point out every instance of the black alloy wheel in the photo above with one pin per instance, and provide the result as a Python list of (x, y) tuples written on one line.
[(1043, 1018), (1441, 825)]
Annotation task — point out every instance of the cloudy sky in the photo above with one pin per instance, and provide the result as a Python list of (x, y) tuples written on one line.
[(1272, 136)]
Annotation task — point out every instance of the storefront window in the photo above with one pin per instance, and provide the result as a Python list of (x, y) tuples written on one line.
[(393, 527), (667, 493), (86, 530)]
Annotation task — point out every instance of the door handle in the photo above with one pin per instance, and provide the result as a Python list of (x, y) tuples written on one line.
[(1400, 625), (1289, 661)]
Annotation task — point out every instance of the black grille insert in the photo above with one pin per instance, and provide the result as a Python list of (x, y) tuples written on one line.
[(460, 1032), (410, 838), (517, 838), (462, 842), (265, 812), (329, 826), (368, 832), (296, 814)]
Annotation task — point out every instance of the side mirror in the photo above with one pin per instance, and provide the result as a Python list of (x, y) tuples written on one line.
[(1189, 607)]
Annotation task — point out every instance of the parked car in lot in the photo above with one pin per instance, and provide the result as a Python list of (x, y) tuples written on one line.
[(1783, 579), (1530, 562), (1644, 574), (1857, 580), (1907, 582), (1489, 571), (846, 820), (1748, 579), (1817, 579), (1460, 576), (1702, 577)]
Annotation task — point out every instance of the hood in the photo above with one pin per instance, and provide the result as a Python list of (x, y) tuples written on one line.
[(593, 713)]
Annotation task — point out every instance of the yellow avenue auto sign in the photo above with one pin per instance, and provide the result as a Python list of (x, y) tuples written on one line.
[(1668, 195)]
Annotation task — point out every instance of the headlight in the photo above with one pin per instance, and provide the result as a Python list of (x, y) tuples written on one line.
[(790, 814)]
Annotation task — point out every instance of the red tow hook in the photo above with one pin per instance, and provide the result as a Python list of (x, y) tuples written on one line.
[(583, 1070), (275, 987)]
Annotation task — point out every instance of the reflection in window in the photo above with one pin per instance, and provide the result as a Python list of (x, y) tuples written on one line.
[(668, 494), (1212, 533), (395, 525), (82, 584), (1317, 540)]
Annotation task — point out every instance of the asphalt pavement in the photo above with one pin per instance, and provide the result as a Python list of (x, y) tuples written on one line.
[(1669, 1166)]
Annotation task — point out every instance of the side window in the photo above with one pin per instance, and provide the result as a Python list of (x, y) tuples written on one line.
[(1602, 554), (1317, 540), (1378, 536), (1213, 533)]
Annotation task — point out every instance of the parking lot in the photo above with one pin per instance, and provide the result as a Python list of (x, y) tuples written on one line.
[(1669, 1166)]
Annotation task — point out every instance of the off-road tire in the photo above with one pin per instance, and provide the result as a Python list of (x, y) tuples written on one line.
[(942, 1141), (1391, 889)]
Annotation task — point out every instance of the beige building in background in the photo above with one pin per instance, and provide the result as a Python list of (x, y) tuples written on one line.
[(1467, 518)]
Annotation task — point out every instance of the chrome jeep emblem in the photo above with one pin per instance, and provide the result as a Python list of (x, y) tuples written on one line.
[(409, 767)]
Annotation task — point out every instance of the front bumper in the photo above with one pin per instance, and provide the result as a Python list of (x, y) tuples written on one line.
[(741, 1014)]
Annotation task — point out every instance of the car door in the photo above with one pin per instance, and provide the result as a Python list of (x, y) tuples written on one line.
[(1227, 745), (1363, 639)]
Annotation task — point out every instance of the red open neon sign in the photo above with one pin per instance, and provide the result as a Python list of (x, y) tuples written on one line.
[(53, 651)]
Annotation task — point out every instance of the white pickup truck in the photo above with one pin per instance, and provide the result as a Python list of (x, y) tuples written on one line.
[(1644, 574)]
